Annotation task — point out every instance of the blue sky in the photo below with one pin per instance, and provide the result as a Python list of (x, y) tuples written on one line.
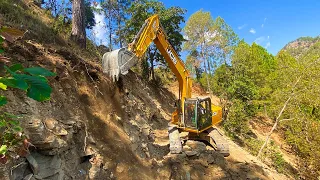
[(272, 23)]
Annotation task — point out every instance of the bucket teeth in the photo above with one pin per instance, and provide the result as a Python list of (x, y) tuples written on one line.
[(118, 62)]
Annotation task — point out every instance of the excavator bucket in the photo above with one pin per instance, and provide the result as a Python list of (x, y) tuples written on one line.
[(118, 62)]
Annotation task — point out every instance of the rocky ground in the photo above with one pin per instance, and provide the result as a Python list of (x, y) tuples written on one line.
[(93, 128)]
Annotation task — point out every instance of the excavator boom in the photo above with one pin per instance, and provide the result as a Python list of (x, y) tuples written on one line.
[(193, 115)]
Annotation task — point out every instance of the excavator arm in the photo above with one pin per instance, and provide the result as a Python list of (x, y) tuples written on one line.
[(152, 31), (120, 61)]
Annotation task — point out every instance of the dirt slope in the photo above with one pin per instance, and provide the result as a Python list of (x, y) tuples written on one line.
[(93, 128)]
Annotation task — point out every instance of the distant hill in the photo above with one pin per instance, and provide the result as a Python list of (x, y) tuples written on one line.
[(301, 45)]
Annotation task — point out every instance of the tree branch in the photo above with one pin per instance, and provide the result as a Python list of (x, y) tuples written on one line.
[(278, 118)]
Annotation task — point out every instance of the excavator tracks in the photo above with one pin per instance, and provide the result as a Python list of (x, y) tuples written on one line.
[(218, 141), (174, 138)]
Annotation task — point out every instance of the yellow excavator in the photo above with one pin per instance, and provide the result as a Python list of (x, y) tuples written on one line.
[(194, 115)]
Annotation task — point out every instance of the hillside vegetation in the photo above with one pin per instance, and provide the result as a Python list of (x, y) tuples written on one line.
[(300, 46), (281, 88), (93, 128)]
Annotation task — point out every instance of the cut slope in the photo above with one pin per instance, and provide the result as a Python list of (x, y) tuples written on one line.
[(94, 128)]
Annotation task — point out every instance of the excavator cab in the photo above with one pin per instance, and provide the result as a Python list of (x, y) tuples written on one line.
[(197, 113)]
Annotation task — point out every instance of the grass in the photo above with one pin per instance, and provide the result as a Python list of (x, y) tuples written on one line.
[(17, 14)]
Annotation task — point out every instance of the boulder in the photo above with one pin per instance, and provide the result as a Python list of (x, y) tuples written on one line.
[(196, 145)]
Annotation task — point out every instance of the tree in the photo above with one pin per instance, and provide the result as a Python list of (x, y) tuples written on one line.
[(299, 80), (225, 42), (199, 30), (213, 39), (78, 33), (89, 15), (116, 14), (194, 65), (121, 16), (170, 19), (244, 86)]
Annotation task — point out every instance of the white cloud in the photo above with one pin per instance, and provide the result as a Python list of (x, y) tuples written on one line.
[(260, 40), (268, 45), (252, 31), (264, 21), (242, 26), (99, 30)]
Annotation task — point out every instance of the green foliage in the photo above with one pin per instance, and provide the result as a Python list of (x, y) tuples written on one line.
[(3, 149), (62, 26), (253, 145), (237, 120), (89, 21), (38, 71), (279, 162), (302, 131), (165, 76), (3, 100), (257, 83), (193, 64), (198, 29), (33, 81), (170, 19), (205, 46), (248, 80), (10, 134)]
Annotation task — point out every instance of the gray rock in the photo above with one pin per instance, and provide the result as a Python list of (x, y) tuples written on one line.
[(18, 171), (191, 153), (196, 145), (45, 166), (210, 159), (33, 164), (28, 177)]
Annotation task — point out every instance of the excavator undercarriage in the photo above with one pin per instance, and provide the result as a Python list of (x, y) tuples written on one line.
[(212, 136)]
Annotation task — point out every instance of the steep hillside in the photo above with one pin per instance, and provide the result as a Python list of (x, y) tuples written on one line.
[(92, 128), (301, 45)]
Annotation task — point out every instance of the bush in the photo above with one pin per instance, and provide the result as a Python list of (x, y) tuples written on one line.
[(237, 119)]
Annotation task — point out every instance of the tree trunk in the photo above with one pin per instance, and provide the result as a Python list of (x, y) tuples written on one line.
[(109, 24), (152, 55), (274, 127), (205, 69), (78, 33), (278, 118), (119, 24)]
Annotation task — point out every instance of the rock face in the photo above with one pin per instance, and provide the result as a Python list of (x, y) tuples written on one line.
[(46, 166), (300, 46), (45, 138)]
